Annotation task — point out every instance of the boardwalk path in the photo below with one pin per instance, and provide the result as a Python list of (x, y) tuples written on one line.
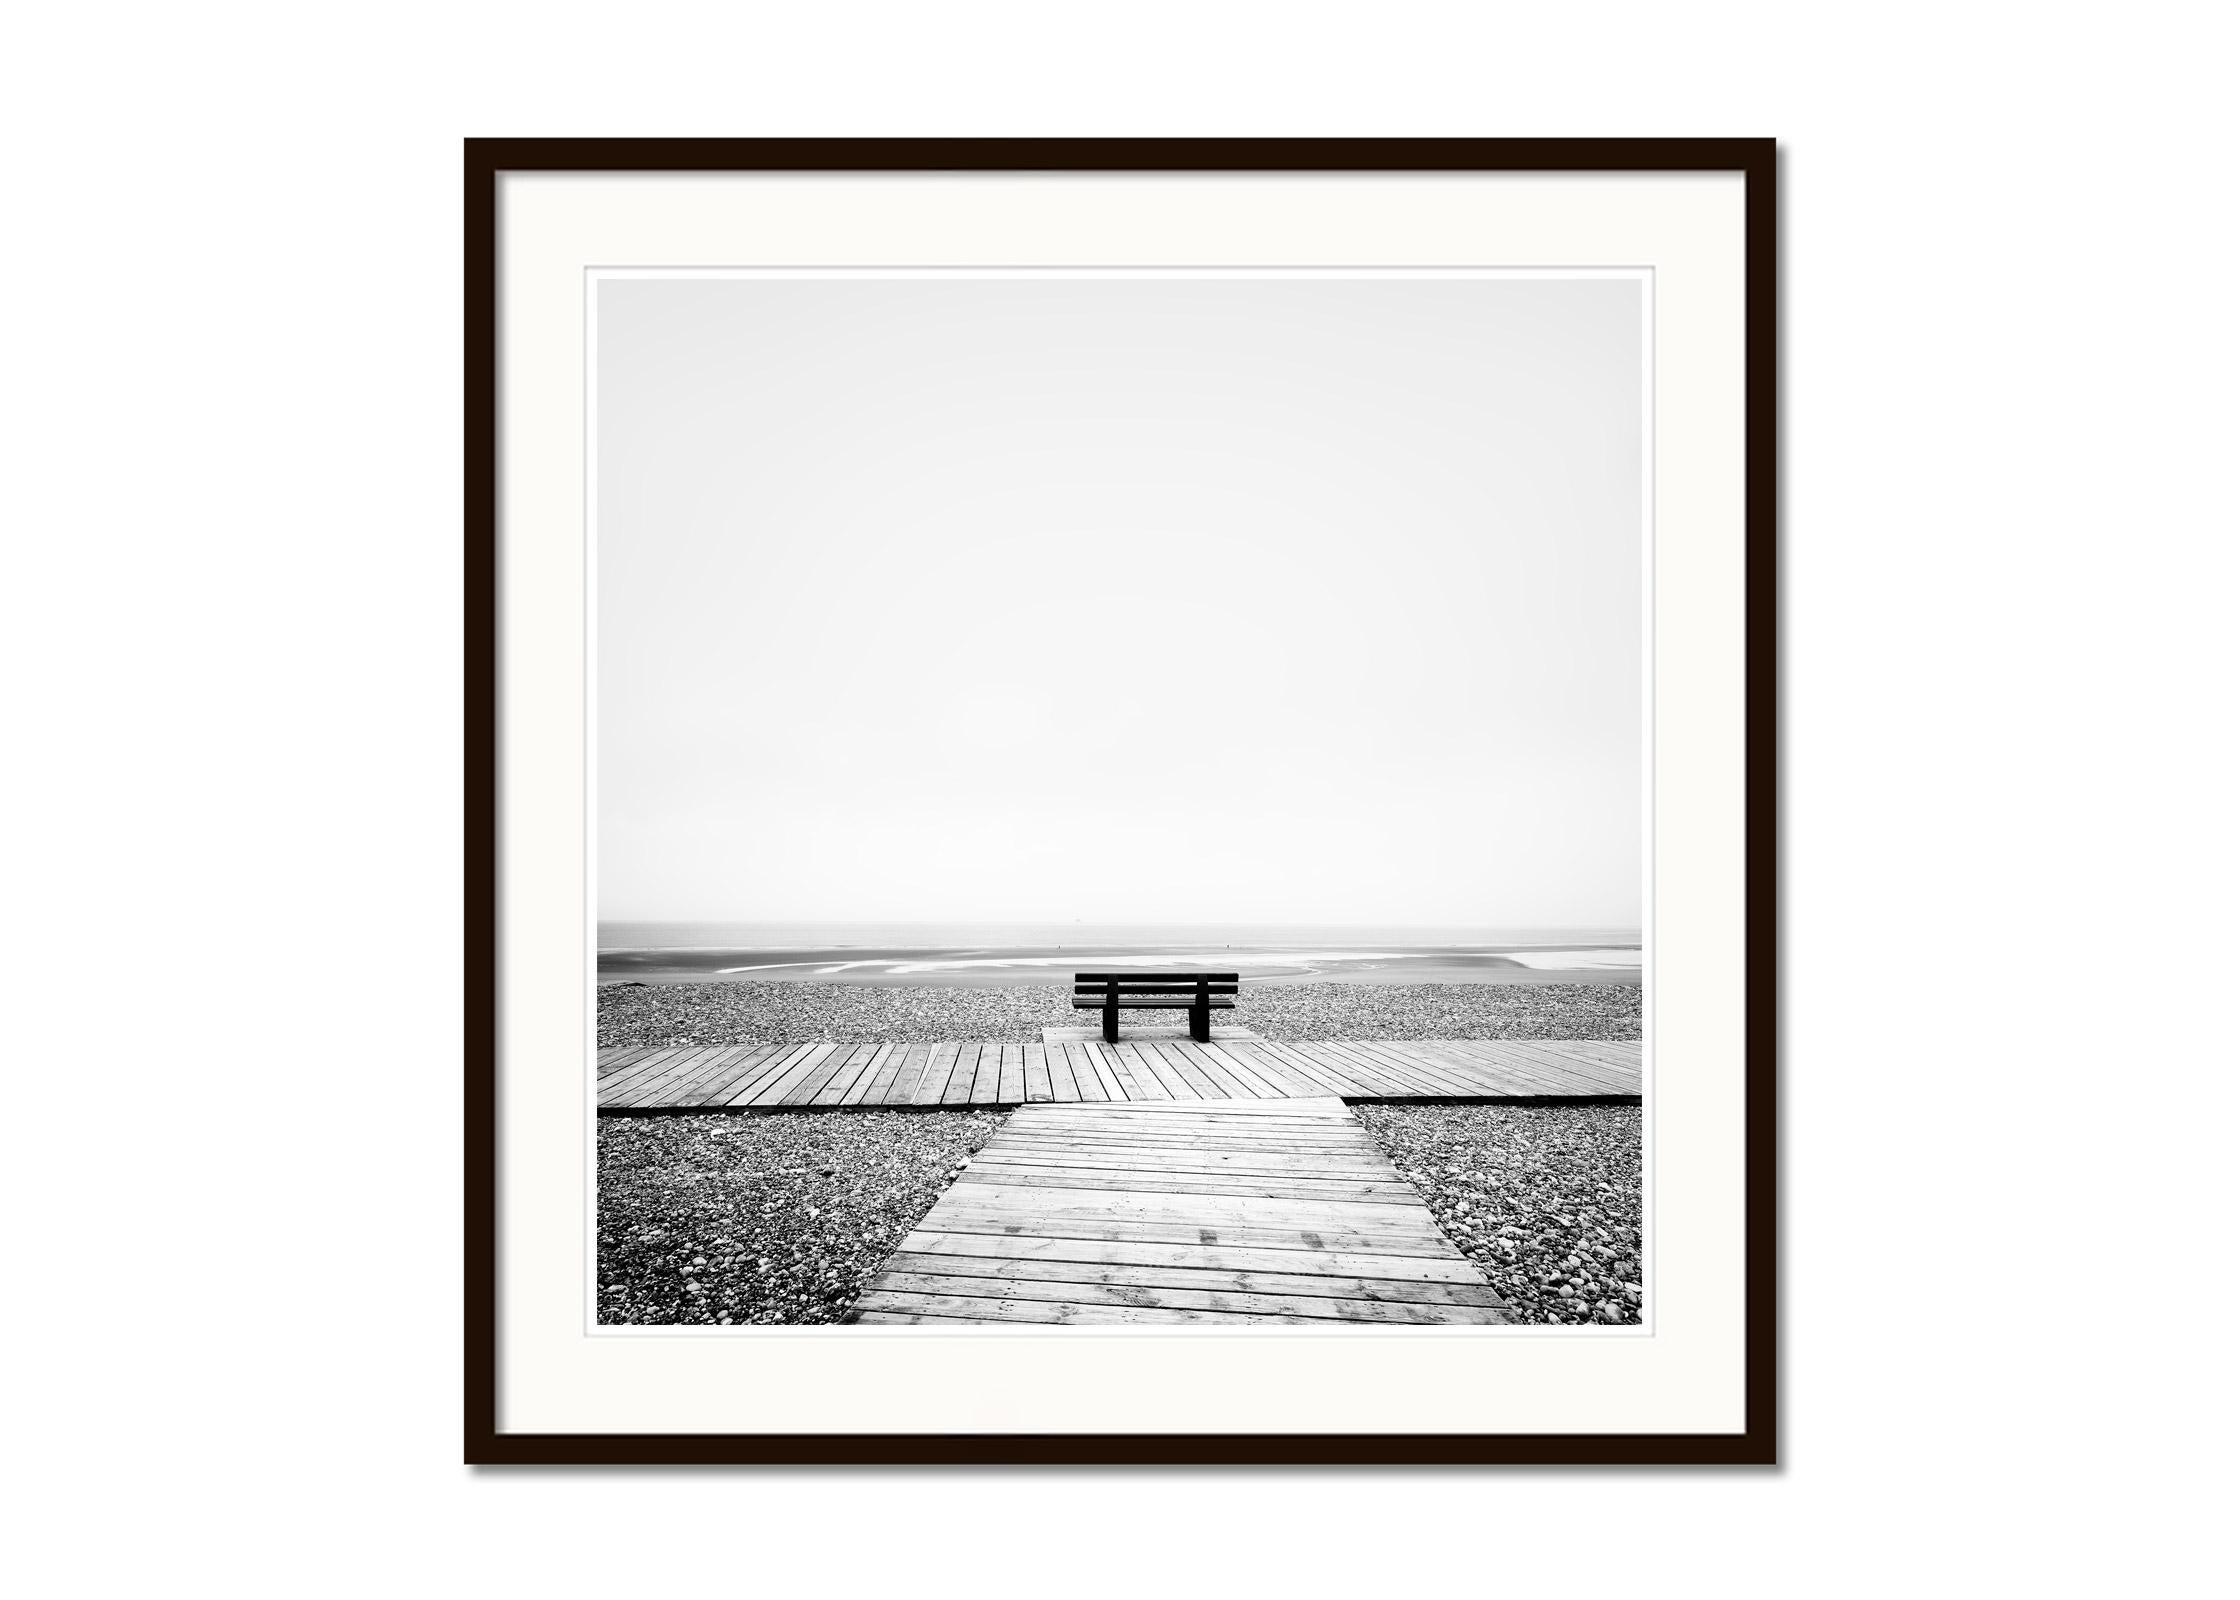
[(1180, 1211), (1147, 1072)]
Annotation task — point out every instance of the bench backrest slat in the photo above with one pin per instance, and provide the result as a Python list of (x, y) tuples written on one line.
[(1101, 978), (1093, 989), (1123, 988)]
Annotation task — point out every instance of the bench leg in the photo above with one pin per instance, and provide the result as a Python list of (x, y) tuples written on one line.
[(1201, 1024), (1111, 1024)]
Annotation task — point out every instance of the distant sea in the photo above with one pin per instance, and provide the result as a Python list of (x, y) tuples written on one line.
[(1013, 953)]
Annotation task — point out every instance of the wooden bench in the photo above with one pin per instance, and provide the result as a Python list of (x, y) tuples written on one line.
[(1199, 993)]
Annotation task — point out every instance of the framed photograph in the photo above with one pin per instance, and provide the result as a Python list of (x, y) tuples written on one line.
[(1121, 801)]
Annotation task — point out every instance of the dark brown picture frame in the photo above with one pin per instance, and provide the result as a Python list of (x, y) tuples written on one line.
[(488, 162)]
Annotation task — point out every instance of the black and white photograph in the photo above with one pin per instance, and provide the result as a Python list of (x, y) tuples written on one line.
[(1120, 800), (1250, 799)]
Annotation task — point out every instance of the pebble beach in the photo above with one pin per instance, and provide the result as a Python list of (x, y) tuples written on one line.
[(848, 1013), (731, 1221)]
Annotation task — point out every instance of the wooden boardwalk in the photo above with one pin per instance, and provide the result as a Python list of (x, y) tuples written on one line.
[(1180, 1211), (767, 1077)]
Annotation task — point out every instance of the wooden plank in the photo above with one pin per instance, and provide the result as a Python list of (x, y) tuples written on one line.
[(1225, 1110), (1149, 1063), (653, 1064), (1312, 1074), (881, 1083), (714, 1091), (1379, 1077), (766, 1072), (1106, 1181), (1536, 1072), (1111, 1064), (1623, 1054), (1185, 1129), (878, 1069), (933, 1083), (1241, 1280), (1107, 1296), (1528, 1059), (961, 1075), (1561, 1074), (1241, 1115), (853, 1065), (1115, 1125), (625, 1061), (1284, 1080), (1056, 1203), (1088, 1083), (1451, 1269), (1229, 1083), (910, 1068), (1188, 1070), (813, 1081), (1466, 1075), (973, 1219), (1420, 1066), (1293, 1056), (1145, 1087), (1397, 1072), (1274, 1135), (694, 1088), (1065, 1074), (1499, 1076), (1179, 1153), (1011, 1078), (1244, 1083), (988, 1076), (1037, 1082), (1097, 1080), (1326, 1105), (776, 1091), (1188, 1168), (1054, 1065), (680, 1079), (654, 1087), (614, 1058), (1619, 1075), (1333, 1164), (969, 1309)]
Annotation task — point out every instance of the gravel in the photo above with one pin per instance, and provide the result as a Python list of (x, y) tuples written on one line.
[(854, 1013), (1291, 1013), (732, 1220), (1546, 1200)]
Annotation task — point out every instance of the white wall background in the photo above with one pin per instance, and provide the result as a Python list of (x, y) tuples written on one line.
[(233, 429)]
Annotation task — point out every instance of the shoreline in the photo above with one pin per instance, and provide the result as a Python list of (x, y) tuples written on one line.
[(984, 965)]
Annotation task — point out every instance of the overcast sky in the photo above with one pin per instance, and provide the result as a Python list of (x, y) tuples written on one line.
[(1120, 600)]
